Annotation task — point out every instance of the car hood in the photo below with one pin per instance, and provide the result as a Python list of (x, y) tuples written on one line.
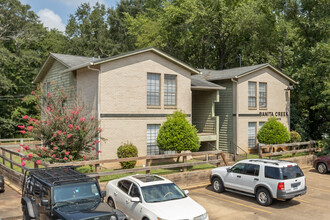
[(185, 208), (86, 210)]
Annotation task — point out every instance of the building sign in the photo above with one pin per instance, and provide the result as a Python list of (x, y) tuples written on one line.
[(276, 114)]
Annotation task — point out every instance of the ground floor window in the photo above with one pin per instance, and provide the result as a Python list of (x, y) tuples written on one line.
[(152, 148), (261, 123), (252, 134), (152, 132)]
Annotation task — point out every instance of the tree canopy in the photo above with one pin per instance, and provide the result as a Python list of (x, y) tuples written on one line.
[(292, 35)]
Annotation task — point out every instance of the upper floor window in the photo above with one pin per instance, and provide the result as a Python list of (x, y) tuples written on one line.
[(170, 90), (252, 94), (153, 89), (262, 95)]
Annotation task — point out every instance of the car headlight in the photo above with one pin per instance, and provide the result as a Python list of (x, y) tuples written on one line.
[(201, 217)]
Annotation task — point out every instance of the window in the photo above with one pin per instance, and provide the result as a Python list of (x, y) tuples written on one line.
[(238, 168), (262, 95), (37, 188), (153, 89), (252, 169), (272, 173), (291, 172), (261, 123), (252, 134), (170, 90), (152, 132), (124, 185), (252, 94), (46, 88), (134, 191)]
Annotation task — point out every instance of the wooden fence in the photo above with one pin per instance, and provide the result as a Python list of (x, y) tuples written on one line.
[(294, 148), (218, 157), (16, 141)]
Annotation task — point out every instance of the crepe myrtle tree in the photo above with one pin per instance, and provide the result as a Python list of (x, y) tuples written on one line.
[(67, 131), (273, 132), (178, 134)]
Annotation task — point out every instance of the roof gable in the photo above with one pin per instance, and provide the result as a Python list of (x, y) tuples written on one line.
[(213, 75)]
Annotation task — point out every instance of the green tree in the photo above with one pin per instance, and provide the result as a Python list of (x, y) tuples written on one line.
[(177, 134), (273, 132)]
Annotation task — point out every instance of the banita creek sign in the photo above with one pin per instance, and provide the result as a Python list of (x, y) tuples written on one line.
[(276, 114)]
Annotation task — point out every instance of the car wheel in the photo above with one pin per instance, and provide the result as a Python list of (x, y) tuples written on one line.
[(111, 203), (217, 185), (263, 197), (321, 168), (26, 215)]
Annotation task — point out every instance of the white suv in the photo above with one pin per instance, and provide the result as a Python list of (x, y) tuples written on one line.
[(152, 197), (261, 178)]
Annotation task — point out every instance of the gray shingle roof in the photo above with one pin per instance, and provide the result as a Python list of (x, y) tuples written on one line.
[(71, 60), (197, 81), (212, 75)]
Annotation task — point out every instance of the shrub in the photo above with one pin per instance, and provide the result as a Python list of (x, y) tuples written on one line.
[(325, 146), (177, 134), (295, 137), (273, 132), (126, 151)]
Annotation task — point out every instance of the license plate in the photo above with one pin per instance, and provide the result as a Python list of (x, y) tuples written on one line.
[(295, 186)]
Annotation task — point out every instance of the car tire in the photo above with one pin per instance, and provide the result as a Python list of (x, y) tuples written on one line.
[(322, 168), (217, 185), (263, 197), (111, 203), (26, 215)]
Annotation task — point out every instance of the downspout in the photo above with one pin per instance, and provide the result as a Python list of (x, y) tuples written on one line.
[(236, 114), (98, 146)]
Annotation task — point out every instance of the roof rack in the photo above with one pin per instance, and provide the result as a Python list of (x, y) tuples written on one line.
[(58, 175), (264, 161)]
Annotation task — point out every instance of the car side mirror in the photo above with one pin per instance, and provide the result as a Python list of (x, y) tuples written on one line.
[(103, 194), (135, 199), (44, 202), (186, 192), (228, 170)]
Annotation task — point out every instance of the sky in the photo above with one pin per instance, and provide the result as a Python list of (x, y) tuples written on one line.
[(55, 13)]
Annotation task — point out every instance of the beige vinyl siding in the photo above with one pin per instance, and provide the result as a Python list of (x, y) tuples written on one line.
[(65, 81), (202, 105), (225, 111)]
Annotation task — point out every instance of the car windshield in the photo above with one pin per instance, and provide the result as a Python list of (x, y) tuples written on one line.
[(162, 192), (78, 191), (291, 172)]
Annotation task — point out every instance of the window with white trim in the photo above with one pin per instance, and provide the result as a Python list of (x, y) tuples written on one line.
[(252, 93), (262, 95), (153, 89), (252, 127), (152, 133), (169, 90)]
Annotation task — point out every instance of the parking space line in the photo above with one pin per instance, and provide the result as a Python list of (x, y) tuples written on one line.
[(319, 188), (237, 203)]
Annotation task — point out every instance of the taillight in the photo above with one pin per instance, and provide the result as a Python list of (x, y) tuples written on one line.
[(280, 186)]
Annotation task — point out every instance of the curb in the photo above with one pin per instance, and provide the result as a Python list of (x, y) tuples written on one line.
[(12, 218), (196, 186), (14, 187)]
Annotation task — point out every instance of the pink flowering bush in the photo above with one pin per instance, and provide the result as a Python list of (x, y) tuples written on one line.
[(66, 131)]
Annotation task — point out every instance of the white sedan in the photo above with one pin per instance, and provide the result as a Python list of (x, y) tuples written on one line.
[(152, 197)]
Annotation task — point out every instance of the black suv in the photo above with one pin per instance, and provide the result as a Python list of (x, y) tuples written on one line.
[(64, 193)]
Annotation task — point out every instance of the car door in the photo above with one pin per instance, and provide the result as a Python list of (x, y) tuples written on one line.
[(233, 177), (121, 194), (134, 208), (250, 177)]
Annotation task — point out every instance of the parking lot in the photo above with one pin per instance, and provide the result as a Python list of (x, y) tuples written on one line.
[(314, 205)]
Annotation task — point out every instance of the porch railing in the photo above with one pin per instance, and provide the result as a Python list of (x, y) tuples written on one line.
[(207, 126)]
